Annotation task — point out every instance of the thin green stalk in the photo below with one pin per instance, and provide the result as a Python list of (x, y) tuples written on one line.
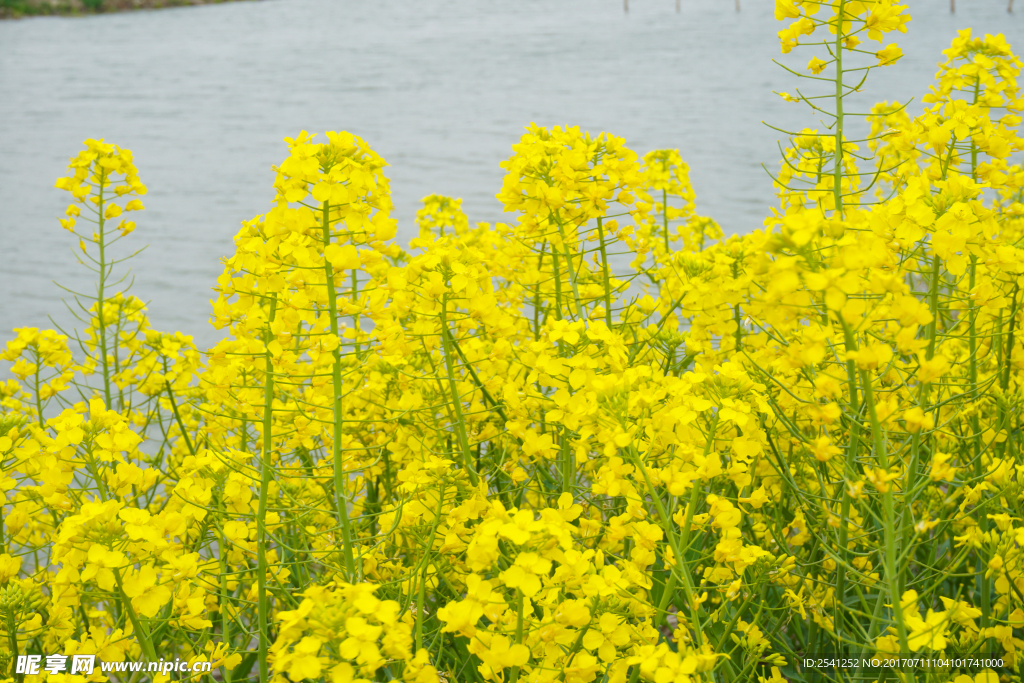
[(666, 597), (460, 422), (424, 563), (975, 425), (558, 282), (519, 632), (1004, 381), (664, 217), (679, 550), (888, 517), (243, 434), (101, 287), (571, 654), (737, 316), (177, 415), (566, 463), (39, 398), (849, 467), (421, 601), (972, 360), (933, 306), (225, 622), (606, 275), (140, 628), (536, 295), (12, 639), (837, 171), (341, 497), (263, 607), (906, 523), (355, 316), (571, 269), (680, 546)]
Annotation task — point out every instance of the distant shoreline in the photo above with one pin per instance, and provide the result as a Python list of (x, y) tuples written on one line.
[(17, 9)]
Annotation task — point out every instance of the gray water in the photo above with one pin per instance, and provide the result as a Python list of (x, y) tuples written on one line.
[(442, 89)]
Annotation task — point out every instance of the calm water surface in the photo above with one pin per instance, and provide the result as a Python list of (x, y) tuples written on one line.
[(442, 89)]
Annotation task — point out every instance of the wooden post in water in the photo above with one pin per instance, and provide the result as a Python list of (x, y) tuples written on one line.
[(737, 5), (625, 5), (952, 6), (677, 5), (1009, 8)]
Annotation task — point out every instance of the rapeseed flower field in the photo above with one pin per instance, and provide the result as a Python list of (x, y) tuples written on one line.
[(599, 443)]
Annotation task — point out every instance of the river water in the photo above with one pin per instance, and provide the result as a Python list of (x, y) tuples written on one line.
[(442, 89)]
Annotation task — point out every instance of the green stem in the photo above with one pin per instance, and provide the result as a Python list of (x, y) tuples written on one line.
[(664, 217), (837, 171), (973, 369), (849, 469), (420, 607), (355, 316), (39, 398), (680, 546), (558, 282), (666, 597), (341, 497), (565, 456), (12, 638), (177, 415), (519, 632), (536, 295), (736, 315), (570, 268), (460, 422), (101, 287), (972, 361), (225, 622), (606, 274), (888, 518), (140, 628), (263, 608)]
